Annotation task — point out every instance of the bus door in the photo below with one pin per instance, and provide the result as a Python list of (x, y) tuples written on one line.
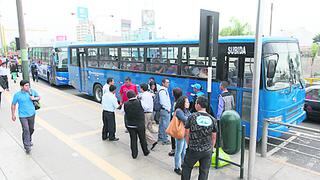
[(53, 69), (238, 71), (74, 68), (83, 70)]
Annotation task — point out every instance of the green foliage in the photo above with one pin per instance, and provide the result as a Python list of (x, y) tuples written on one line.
[(236, 28), (316, 38), (314, 51), (12, 46)]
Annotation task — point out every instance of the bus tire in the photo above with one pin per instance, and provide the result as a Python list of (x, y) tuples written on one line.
[(48, 78), (97, 93)]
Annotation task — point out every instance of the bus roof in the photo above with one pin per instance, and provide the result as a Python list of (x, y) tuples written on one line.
[(227, 39)]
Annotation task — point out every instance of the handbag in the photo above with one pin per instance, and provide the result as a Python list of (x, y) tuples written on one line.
[(36, 103), (176, 128)]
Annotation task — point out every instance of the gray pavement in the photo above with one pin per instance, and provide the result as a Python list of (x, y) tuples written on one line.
[(68, 145)]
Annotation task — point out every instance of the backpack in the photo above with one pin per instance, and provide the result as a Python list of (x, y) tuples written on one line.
[(156, 101)]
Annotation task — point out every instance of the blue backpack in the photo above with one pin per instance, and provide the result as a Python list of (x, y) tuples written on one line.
[(156, 101)]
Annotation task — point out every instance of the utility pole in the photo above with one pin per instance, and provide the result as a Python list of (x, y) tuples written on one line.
[(255, 90), (271, 19), (22, 35)]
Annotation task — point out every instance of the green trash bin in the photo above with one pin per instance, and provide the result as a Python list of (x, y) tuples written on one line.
[(231, 132)]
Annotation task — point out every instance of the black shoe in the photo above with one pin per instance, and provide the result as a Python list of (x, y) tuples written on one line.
[(154, 145), (178, 171), (171, 153), (104, 138), (114, 139), (146, 154), (28, 151)]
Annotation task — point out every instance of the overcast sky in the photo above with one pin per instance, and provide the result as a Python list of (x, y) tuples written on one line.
[(175, 18)]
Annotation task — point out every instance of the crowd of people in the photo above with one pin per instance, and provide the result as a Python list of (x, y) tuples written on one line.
[(141, 112), (153, 106)]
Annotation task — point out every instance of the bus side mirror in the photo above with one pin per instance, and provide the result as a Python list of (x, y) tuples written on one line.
[(272, 64)]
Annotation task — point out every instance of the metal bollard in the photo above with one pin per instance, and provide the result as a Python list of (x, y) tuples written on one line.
[(264, 142)]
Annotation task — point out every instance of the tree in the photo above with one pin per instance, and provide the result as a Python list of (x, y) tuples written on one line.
[(12, 46), (237, 28), (314, 53), (316, 38)]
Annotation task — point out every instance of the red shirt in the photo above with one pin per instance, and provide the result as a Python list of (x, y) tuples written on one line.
[(124, 89)]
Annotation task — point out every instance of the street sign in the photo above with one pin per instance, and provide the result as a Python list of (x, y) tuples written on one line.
[(209, 34)]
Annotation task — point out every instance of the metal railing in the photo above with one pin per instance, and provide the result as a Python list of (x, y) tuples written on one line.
[(307, 136)]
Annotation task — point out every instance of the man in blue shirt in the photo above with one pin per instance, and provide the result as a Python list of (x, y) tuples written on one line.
[(26, 112), (197, 89)]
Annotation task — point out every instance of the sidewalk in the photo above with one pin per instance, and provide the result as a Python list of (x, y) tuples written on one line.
[(59, 155), (14, 164)]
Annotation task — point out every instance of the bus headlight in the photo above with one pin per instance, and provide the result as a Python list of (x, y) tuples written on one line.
[(275, 119)]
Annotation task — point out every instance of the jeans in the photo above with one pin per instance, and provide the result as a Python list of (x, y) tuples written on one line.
[(27, 124), (191, 158), (180, 152), (163, 125)]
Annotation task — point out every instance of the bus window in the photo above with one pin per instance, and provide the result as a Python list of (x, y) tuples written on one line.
[(92, 57), (248, 73), (233, 71), (108, 58), (74, 59), (246, 106), (153, 55)]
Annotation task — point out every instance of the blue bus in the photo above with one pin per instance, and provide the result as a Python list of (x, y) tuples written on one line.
[(52, 63), (282, 93)]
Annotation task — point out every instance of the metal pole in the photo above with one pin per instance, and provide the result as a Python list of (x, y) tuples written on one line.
[(264, 139), (210, 44), (243, 130), (255, 91), (94, 32), (22, 35), (270, 32)]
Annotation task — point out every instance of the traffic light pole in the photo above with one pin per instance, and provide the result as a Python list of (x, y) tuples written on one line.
[(22, 35)]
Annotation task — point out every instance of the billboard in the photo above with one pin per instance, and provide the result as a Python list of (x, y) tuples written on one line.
[(148, 18), (82, 13)]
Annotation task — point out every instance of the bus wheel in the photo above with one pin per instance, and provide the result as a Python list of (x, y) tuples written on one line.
[(48, 77), (97, 92)]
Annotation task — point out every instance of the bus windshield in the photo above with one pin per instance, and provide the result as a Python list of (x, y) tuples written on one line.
[(287, 65), (62, 60)]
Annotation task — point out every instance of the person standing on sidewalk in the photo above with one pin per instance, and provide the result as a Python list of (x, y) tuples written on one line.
[(109, 104), (165, 103), (201, 140), (182, 113), (146, 99), (26, 111), (3, 79), (135, 124), (110, 81), (177, 93), (34, 71), (128, 85), (226, 100)]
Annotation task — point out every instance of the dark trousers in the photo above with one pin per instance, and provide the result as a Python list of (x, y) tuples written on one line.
[(109, 125), (134, 134), (27, 124), (34, 76), (191, 158)]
